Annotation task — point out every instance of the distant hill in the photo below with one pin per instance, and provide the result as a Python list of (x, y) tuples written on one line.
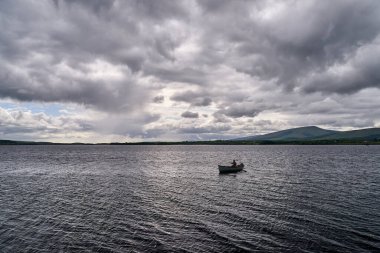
[(312, 133), (10, 142), (362, 134)]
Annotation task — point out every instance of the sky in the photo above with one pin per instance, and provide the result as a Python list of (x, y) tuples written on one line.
[(143, 70)]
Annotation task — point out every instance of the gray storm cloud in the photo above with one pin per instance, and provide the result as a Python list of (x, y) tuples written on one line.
[(158, 99), (191, 115), (116, 56), (50, 50), (296, 43), (193, 98)]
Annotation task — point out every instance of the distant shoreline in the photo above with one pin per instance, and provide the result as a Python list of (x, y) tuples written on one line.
[(310, 135), (216, 142)]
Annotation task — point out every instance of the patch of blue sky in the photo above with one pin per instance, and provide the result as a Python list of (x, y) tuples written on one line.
[(51, 109)]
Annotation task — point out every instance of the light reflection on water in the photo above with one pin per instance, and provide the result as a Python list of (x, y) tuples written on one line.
[(171, 198)]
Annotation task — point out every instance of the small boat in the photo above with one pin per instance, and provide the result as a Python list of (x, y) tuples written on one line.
[(230, 169)]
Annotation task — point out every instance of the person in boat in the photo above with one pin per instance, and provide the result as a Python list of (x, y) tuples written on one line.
[(234, 163)]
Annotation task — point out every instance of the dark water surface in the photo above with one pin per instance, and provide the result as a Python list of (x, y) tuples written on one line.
[(171, 198)]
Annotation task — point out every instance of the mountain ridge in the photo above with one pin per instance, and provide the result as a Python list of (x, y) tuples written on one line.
[(311, 133)]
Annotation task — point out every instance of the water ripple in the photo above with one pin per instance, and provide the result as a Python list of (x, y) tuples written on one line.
[(172, 199)]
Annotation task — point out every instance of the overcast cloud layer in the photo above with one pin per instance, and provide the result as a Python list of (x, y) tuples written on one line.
[(179, 70)]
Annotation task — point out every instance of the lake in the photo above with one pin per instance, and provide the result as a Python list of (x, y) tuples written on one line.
[(172, 198)]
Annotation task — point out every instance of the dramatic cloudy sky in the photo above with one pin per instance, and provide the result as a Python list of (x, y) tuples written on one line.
[(118, 70)]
